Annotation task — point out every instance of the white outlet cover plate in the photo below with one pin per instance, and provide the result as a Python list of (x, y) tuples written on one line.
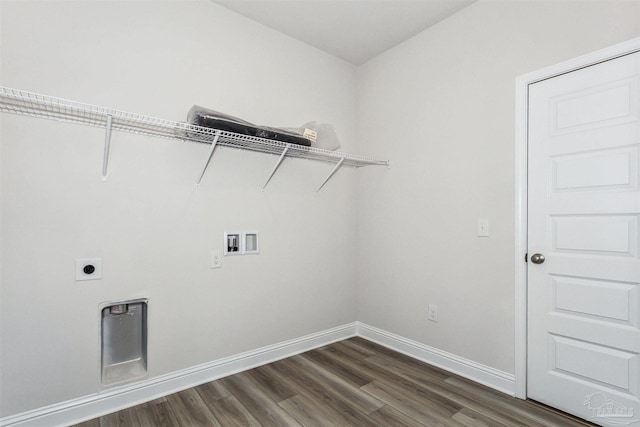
[(483, 227), (216, 259), (433, 312), (81, 263)]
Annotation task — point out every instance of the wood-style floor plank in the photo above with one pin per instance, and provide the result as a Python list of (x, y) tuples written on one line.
[(354, 382), (340, 387), (212, 391), (145, 418), (326, 399), (124, 418), (420, 410), (427, 377), (310, 412), (271, 384), (91, 423), (258, 403), (470, 418), (330, 364), (158, 412), (391, 417), (354, 345), (534, 414), (361, 366), (230, 412), (424, 380), (190, 409), (387, 372)]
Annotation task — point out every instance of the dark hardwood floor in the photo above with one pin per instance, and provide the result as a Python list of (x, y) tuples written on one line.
[(350, 383)]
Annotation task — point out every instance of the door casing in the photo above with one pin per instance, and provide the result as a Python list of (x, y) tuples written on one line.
[(521, 190)]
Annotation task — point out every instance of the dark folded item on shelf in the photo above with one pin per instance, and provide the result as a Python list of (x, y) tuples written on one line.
[(213, 119), (282, 135)]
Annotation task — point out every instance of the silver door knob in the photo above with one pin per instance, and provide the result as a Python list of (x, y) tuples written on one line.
[(537, 258)]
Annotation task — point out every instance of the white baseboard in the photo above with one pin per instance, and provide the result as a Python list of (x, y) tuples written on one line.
[(95, 405), (474, 371)]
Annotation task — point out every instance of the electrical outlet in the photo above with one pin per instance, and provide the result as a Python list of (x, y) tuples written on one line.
[(433, 313), (483, 227), (216, 259), (89, 269)]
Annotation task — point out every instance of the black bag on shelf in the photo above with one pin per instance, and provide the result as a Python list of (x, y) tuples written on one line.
[(213, 119), (283, 136)]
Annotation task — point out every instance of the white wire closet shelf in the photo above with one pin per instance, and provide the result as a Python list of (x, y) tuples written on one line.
[(21, 102)]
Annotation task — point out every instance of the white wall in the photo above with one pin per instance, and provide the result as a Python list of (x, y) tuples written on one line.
[(152, 228), (441, 107)]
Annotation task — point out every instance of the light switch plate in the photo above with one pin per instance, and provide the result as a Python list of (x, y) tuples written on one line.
[(483, 227), (89, 269)]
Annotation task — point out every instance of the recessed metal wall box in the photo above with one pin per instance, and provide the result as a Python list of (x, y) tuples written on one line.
[(233, 243), (251, 243), (123, 341)]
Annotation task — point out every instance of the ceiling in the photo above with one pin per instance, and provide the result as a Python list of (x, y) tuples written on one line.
[(354, 30)]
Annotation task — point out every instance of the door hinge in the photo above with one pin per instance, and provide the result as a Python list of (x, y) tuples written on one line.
[(525, 257)]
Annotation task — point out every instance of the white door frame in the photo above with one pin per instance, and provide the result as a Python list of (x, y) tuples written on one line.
[(522, 111)]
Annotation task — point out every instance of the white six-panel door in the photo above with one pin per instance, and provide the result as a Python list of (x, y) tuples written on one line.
[(584, 214)]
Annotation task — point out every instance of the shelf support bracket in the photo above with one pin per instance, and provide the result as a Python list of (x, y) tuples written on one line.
[(333, 171), (275, 168), (107, 146), (213, 147)]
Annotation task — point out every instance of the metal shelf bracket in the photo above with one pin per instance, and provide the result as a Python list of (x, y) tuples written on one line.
[(213, 147), (275, 168), (107, 146), (333, 171)]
